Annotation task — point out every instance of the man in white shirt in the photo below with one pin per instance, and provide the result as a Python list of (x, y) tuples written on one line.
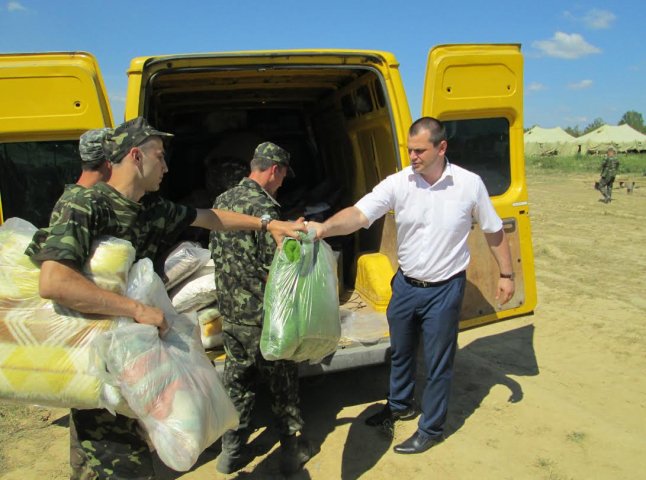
[(434, 204)]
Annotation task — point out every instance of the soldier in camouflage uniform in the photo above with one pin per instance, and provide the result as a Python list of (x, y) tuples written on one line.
[(609, 168), (95, 168), (105, 446), (242, 261)]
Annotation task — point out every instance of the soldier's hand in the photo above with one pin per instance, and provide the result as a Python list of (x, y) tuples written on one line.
[(279, 229), (152, 316)]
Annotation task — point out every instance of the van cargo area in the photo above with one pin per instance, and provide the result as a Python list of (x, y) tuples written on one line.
[(334, 121)]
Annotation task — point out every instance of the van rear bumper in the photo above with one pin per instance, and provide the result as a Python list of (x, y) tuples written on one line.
[(351, 356), (346, 357)]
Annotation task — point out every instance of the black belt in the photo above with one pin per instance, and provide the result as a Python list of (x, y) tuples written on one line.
[(422, 284)]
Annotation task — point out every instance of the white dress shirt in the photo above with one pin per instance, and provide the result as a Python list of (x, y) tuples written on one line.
[(433, 221)]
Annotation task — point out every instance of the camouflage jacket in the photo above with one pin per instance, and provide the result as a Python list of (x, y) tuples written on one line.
[(70, 191), (242, 259), (609, 167), (151, 225)]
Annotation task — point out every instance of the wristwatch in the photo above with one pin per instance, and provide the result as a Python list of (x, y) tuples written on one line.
[(510, 276), (264, 221)]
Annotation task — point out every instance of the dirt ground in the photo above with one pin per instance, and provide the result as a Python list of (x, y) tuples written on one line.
[(557, 395)]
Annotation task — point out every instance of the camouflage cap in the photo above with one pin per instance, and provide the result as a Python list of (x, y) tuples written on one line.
[(273, 152), (128, 135), (91, 145)]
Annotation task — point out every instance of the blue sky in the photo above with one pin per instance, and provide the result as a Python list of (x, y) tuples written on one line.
[(583, 60)]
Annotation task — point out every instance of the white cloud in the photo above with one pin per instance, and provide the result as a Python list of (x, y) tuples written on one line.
[(599, 19), (594, 19), (580, 85), (564, 45), (535, 87), (15, 7)]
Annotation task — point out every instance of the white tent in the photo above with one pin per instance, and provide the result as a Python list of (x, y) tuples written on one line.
[(623, 137), (547, 141)]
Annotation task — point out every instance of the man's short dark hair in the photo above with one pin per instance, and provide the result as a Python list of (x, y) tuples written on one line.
[(431, 125), (93, 166), (261, 164)]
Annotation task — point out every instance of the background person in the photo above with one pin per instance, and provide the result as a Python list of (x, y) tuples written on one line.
[(95, 167), (103, 445), (434, 203), (609, 169), (242, 261)]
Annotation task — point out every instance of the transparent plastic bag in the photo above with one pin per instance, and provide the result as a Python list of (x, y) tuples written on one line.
[(109, 263), (18, 275), (169, 383), (46, 354), (185, 259), (301, 303), (196, 291), (210, 320), (365, 328)]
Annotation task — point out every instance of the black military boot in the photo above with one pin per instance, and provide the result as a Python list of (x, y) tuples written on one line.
[(295, 451), (234, 455)]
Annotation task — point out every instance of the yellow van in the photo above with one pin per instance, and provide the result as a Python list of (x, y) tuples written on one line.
[(342, 114)]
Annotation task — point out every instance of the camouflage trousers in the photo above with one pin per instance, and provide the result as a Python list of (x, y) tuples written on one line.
[(605, 187), (243, 368), (104, 446)]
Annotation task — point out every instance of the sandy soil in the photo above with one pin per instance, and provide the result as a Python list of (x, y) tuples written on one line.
[(557, 395)]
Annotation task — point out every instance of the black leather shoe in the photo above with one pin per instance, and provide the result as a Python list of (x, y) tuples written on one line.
[(388, 415), (417, 444)]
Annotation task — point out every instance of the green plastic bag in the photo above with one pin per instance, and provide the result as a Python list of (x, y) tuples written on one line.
[(301, 302)]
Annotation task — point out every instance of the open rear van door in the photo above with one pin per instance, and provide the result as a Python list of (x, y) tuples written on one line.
[(477, 91)]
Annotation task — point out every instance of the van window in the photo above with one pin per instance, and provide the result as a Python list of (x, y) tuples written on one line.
[(33, 176), (482, 146)]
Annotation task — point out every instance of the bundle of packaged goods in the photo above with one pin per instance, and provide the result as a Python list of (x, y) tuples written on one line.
[(46, 354), (210, 320), (53, 356), (184, 260), (191, 288), (195, 291), (169, 383)]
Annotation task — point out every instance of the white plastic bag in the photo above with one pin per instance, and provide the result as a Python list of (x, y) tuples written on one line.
[(363, 327), (185, 259), (18, 275), (195, 292), (170, 384)]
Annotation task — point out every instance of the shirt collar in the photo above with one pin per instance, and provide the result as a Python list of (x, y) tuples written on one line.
[(446, 173)]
